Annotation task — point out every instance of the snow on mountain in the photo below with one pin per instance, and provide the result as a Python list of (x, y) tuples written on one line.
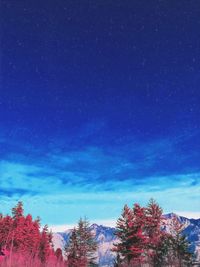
[(105, 238), (191, 229), (103, 235), (58, 241)]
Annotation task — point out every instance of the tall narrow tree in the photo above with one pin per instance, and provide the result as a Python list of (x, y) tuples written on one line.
[(156, 241), (45, 244), (72, 250), (131, 236), (82, 246), (180, 245)]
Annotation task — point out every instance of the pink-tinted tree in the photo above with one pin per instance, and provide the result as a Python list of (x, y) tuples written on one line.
[(58, 254), (142, 239), (132, 239), (45, 247), (21, 239), (156, 238)]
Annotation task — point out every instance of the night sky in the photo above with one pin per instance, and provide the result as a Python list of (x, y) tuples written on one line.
[(99, 106)]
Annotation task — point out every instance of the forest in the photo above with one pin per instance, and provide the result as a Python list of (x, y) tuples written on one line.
[(141, 233)]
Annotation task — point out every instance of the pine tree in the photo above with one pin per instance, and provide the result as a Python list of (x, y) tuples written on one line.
[(18, 211), (72, 250), (25, 232), (20, 237), (6, 225), (82, 246), (45, 244), (180, 246), (131, 236), (86, 240), (122, 232), (157, 239), (142, 239)]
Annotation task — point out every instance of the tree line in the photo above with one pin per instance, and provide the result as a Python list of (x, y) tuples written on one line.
[(23, 243), (144, 241), (141, 234)]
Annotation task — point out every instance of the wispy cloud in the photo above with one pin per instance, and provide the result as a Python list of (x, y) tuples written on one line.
[(79, 180)]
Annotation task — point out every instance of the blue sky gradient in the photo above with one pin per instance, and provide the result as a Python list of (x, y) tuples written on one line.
[(96, 181), (99, 106)]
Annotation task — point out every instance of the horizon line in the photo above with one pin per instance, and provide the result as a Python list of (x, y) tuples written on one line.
[(56, 228)]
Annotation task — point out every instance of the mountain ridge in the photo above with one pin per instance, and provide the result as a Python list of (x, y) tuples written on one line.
[(105, 237)]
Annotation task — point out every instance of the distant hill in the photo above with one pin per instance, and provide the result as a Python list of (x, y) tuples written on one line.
[(105, 238), (191, 229)]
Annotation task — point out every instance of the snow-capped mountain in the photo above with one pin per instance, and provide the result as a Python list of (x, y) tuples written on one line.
[(103, 235), (105, 238), (191, 229)]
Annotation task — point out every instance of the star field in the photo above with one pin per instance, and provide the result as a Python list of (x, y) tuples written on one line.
[(99, 102)]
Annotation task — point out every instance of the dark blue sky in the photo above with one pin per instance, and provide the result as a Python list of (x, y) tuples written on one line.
[(99, 96)]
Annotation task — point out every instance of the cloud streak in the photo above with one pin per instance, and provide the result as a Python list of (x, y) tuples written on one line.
[(79, 180)]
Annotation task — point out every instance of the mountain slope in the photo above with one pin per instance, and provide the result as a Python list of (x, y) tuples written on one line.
[(105, 238), (191, 229)]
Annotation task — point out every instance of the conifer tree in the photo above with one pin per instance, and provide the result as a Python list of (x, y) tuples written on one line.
[(179, 245), (157, 239), (82, 246), (6, 225), (131, 236), (143, 240), (72, 250), (20, 237), (86, 240), (18, 210), (24, 232), (45, 244)]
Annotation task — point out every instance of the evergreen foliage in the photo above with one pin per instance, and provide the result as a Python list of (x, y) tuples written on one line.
[(82, 246), (21, 240), (143, 241), (140, 231)]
